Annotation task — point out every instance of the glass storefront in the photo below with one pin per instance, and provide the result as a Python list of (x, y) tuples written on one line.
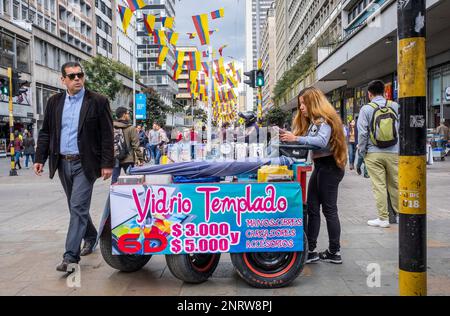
[(439, 94)]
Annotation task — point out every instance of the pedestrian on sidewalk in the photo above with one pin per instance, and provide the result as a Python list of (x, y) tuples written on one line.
[(18, 147), (162, 142), (378, 142), (28, 148), (352, 142), (153, 137), (77, 139), (317, 123), (360, 163), (126, 144)]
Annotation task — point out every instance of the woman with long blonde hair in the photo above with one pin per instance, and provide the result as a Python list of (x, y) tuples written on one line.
[(318, 124)]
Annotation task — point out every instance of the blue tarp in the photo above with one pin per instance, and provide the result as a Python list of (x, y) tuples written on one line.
[(204, 169)]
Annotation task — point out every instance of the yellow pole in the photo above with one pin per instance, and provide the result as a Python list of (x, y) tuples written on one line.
[(13, 171), (412, 74)]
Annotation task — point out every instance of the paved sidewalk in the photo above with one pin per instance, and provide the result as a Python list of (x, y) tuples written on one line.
[(34, 219)]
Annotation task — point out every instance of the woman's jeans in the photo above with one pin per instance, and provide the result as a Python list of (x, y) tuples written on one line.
[(323, 191), (351, 153), (17, 156), (27, 156)]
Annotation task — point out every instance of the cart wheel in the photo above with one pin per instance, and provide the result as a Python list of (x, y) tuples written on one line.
[(124, 263), (270, 269), (193, 268)]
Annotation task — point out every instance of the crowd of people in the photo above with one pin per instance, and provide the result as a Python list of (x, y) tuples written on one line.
[(80, 140)]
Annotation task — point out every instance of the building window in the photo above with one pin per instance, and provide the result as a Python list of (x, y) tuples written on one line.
[(40, 20), (16, 7), (23, 56)]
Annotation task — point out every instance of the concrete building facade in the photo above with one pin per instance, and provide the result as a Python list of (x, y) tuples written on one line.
[(159, 78), (268, 57)]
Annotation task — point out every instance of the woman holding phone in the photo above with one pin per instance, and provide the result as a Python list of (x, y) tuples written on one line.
[(318, 124)]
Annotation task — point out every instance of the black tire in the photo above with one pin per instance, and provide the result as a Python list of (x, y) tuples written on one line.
[(193, 268), (269, 270), (124, 263)]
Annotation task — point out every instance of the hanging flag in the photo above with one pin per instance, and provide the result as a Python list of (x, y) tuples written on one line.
[(135, 4), (192, 79), (205, 68), (178, 65), (205, 54), (159, 37), (194, 61), (173, 38), (202, 27), (125, 15), (231, 82), (149, 22), (192, 35), (218, 14), (167, 22), (239, 75), (162, 55), (221, 49)]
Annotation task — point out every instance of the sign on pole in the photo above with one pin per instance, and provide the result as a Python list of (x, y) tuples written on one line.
[(141, 106)]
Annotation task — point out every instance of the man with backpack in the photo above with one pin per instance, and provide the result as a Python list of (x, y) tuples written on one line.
[(126, 144), (378, 125)]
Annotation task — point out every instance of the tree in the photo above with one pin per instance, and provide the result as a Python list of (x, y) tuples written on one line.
[(299, 70), (277, 116), (101, 76), (156, 109)]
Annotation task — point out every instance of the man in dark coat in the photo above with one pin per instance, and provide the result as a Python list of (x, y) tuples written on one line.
[(77, 139)]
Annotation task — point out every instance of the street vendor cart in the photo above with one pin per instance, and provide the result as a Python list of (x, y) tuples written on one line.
[(191, 212)]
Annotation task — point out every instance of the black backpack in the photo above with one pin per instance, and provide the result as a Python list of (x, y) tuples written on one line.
[(120, 146)]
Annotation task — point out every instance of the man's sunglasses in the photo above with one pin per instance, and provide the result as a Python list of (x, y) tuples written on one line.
[(72, 76)]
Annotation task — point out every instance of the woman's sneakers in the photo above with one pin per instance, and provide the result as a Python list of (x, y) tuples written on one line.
[(313, 257), (331, 257)]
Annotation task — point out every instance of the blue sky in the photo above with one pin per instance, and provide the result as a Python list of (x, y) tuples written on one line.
[(231, 27)]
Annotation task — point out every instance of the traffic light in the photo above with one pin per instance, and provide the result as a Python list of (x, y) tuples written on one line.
[(17, 84), (260, 78), (251, 78), (4, 87)]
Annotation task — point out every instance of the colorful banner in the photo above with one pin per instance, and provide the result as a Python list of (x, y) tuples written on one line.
[(218, 14), (162, 55), (173, 38), (125, 16), (202, 27), (206, 218), (149, 22), (194, 61), (167, 22), (160, 38), (221, 48), (135, 4)]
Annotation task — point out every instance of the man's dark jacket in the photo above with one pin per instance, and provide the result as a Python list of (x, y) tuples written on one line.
[(95, 134)]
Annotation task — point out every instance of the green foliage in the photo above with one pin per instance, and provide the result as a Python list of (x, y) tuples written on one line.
[(277, 116), (299, 70), (101, 76), (156, 109)]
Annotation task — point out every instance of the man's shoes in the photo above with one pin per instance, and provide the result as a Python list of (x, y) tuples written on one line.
[(352, 167), (358, 170), (64, 266), (313, 257), (331, 257), (366, 176), (87, 249), (378, 223)]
